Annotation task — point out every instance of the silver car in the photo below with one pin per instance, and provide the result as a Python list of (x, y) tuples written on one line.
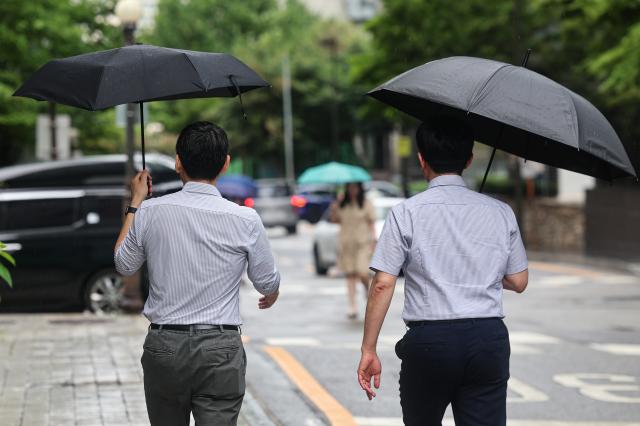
[(276, 204), (325, 238)]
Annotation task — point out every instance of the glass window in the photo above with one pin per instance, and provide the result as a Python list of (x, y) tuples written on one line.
[(39, 213)]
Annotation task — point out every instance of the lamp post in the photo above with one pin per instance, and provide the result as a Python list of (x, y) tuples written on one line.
[(129, 13)]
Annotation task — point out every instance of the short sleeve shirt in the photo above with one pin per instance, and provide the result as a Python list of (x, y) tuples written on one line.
[(454, 246)]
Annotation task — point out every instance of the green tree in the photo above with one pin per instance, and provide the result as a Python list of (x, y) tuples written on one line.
[(32, 33), (261, 34)]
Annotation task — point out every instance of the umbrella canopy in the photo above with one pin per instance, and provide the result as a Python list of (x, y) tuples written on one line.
[(236, 186), (139, 73), (334, 173), (513, 109)]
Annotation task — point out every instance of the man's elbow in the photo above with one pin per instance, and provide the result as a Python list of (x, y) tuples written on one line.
[(521, 287)]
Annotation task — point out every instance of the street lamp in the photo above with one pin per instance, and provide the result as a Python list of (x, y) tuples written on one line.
[(129, 13)]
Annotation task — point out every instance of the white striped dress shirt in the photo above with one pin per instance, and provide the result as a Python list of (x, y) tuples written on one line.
[(454, 246), (197, 246)]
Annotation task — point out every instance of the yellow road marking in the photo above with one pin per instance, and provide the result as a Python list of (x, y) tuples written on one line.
[(332, 409), (563, 269)]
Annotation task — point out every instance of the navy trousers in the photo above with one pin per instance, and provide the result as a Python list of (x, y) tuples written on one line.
[(464, 363)]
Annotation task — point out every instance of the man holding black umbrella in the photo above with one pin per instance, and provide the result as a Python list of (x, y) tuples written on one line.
[(196, 245), (458, 250)]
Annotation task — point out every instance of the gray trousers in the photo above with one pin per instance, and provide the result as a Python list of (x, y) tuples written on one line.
[(199, 371)]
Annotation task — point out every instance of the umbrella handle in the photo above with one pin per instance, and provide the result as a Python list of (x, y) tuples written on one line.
[(486, 173), (239, 93)]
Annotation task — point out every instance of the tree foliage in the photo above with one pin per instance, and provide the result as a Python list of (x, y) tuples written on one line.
[(32, 33), (262, 34), (591, 46)]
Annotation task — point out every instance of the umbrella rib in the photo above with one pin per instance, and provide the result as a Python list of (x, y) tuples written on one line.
[(575, 114), (202, 85), (476, 95)]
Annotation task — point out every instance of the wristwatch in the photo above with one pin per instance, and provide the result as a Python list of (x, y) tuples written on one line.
[(131, 210)]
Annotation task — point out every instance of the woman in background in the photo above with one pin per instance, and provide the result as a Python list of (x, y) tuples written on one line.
[(356, 217)]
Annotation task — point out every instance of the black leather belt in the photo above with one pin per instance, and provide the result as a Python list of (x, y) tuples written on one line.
[(412, 324), (192, 327)]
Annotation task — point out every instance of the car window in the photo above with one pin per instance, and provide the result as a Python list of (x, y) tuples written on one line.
[(161, 173), (273, 190), (39, 213), (98, 174)]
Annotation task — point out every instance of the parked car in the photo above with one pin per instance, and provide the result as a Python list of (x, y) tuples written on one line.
[(60, 221), (277, 204), (314, 200), (382, 188), (325, 238)]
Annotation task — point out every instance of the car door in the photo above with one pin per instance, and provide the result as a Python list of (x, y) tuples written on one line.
[(39, 227)]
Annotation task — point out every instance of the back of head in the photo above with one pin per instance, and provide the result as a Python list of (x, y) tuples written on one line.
[(445, 143), (203, 148)]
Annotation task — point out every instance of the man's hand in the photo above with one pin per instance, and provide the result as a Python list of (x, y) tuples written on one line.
[(267, 301), (369, 367), (140, 188)]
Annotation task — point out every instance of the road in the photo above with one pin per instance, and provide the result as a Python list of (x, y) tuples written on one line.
[(575, 338)]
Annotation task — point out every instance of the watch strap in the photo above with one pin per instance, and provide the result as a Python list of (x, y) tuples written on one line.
[(130, 209)]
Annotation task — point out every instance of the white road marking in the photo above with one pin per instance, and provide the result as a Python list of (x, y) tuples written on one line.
[(393, 421), (292, 341), (617, 348), (526, 337), (619, 279), (601, 387), (557, 281), (526, 393)]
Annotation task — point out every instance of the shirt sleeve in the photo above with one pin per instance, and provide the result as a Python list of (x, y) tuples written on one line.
[(392, 248), (130, 255), (517, 261), (261, 267)]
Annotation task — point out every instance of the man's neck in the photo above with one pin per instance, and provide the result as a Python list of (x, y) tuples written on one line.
[(432, 176), (210, 182)]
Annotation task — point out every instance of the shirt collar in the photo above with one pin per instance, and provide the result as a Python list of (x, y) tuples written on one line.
[(447, 180), (201, 188)]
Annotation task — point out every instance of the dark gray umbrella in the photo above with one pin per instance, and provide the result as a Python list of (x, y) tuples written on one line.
[(513, 109), (137, 74)]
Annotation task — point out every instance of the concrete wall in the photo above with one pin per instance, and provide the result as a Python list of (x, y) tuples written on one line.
[(554, 227)]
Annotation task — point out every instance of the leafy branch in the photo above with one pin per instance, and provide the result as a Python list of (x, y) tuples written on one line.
[(5, 275)]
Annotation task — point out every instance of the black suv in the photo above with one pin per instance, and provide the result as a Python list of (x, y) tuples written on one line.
[(60, 221)]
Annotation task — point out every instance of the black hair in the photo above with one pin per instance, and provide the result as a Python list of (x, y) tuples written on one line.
[(202, 148), (347, 195), (445, 143)]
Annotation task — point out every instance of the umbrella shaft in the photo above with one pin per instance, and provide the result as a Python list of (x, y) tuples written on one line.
[(144, 166)]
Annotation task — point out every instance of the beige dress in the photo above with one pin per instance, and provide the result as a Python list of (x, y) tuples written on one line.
[(356, 239)]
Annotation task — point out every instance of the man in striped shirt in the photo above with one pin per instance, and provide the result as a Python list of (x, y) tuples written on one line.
[(197, 246), (458, 250)]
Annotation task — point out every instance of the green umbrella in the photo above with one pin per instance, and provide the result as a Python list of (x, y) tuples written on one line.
[(334, 172)]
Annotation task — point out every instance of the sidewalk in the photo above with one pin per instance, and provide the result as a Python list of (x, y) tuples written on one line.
[(78, 369)]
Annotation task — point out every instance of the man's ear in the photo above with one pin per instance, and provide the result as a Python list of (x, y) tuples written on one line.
[(226, 166), (178, 165), (421, 160), (469, 161)]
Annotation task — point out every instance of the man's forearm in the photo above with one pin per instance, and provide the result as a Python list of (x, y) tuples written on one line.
[(128, 220), (380, 296)]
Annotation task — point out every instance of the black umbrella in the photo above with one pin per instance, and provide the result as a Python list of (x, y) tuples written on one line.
[(137, 74), (513, 109)]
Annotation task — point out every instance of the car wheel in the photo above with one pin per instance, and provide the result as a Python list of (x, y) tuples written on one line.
[(104, 292), (320, 269), (292, 229)]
